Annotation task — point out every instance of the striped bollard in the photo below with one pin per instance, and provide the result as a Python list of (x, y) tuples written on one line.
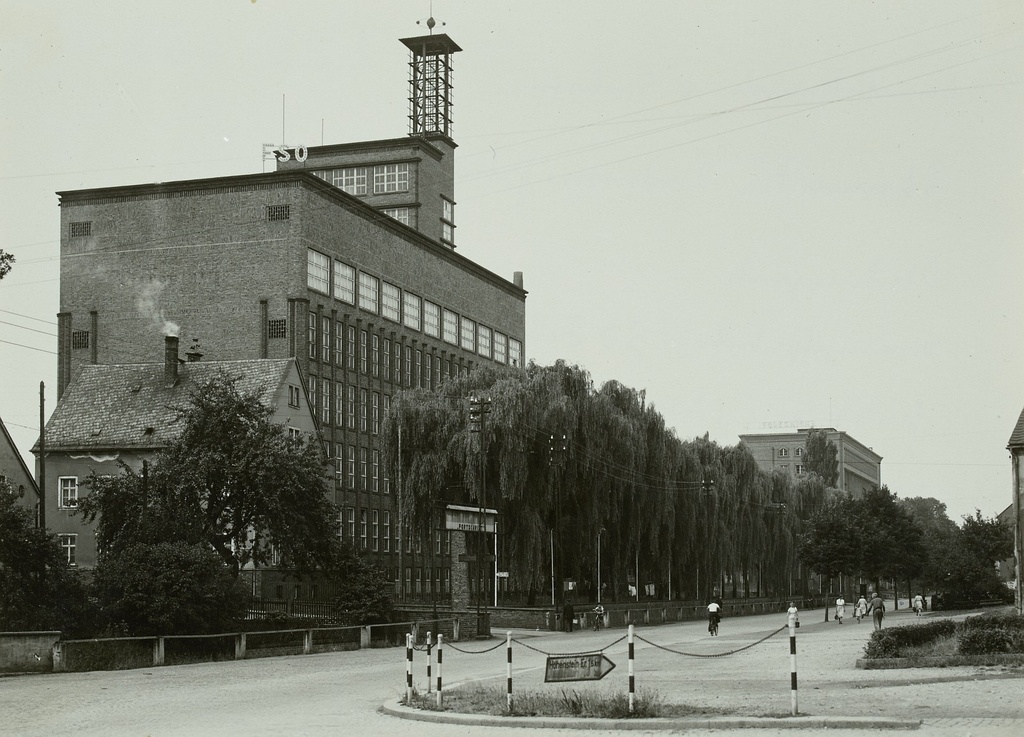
[(792, 664), (429, 641), (632, 684), (408, 669), (508, 671), (440, 657)]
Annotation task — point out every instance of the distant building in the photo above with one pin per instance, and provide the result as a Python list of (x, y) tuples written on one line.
[(1016, 448), (860, 468), (125, 413)]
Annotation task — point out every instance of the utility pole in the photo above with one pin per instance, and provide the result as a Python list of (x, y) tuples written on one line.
[(477, 409), (557, 446)]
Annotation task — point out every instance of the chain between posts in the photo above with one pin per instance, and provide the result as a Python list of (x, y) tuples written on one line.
[(713, 655)]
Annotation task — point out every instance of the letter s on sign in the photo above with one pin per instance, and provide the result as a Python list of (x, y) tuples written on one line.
[(283, 155)]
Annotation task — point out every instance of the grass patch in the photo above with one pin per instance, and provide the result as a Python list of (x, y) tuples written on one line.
[(491, 700), (941, 646)]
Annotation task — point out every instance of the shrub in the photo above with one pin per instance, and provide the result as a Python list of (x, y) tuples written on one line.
[(892, 642), (985, 641)]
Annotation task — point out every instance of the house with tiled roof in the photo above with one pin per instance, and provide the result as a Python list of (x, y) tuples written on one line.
[(15, 471), (127, 413), (1016, 448)]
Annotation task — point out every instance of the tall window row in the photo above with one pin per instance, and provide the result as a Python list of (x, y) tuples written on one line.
[(379, 297), (356, 180)]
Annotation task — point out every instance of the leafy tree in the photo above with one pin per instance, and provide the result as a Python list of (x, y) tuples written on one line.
[(829, 546), (359, 588), (169, 588), (822, 457), (939, 537), (37, 588), (891, 541), (970, 561), (231, 480), (6, 259)]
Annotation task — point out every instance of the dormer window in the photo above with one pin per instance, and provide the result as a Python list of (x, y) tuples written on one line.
[(293, 396)]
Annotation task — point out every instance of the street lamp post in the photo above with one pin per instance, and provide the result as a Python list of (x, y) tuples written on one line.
[(599, 533)]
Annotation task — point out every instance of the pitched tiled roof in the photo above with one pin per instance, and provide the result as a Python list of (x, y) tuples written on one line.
[(131, 405), (1017, 436)]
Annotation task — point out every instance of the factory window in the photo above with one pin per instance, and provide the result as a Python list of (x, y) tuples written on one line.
[(390, 302), (783, 452), (451, 327), (500, 347), (413, 310), (80, 229), (350, 466), (799, 452), (79, 338), (799, 469), (312, 335), (515, 352), (432, 319), (344, 282), (483, 343), (387, 531), (447, 221), (369, 293), (401, 214), (325, 339), (279, 212), (318, 271), (350, 179), (468, 334), (277, 329), (390, 178)]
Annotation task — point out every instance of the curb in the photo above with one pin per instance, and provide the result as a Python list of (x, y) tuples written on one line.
[(666, 724)]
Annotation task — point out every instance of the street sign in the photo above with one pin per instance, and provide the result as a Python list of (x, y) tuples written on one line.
[(577, 668), (501, 574)]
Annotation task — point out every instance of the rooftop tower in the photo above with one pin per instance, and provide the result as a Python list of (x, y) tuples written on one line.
[(430, 83)]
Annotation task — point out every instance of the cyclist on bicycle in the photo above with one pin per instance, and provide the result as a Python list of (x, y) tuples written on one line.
[(598, 617), (714, 617)]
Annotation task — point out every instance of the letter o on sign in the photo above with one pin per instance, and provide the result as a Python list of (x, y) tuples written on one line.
[(301, 153)]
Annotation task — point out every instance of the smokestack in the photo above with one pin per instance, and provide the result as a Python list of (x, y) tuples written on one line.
[(171, 360)]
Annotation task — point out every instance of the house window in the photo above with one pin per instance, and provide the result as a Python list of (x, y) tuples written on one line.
[(369, 293), (515, 352), (311, 338), (293, 396), (784, 468), (432, 319), (344, 282), (294, 433), (69, 544), (318, 271), (390, 302), (413, 311), (799, 452), (279, 212), (500, 347), (783, 452), (483, 343), (68, 486), (401, 214), (799, 469), (451, 327), (277, 329), (80, 229), (468, 334), (79, 339), (390, 178), (350, 179)]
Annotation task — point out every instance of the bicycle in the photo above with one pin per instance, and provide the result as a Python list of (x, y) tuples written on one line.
[(713, 625), (598, 620)]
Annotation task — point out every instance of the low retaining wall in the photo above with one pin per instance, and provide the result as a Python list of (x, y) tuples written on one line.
[(624, 614), (27, 652), (940, 661)]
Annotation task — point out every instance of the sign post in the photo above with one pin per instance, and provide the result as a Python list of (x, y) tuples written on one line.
[(592, 667)]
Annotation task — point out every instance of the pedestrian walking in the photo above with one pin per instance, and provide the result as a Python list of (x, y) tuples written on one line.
[(840, 608), (861, 608), (876, 607), (918, 604), (568, 613)]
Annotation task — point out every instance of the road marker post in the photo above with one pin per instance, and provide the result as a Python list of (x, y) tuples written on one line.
[(408, 669), (792, 664), (429, 646), (632, 683), (508, 671), (440, 657)]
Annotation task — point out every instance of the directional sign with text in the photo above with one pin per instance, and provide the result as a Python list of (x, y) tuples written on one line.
[(577, 668)]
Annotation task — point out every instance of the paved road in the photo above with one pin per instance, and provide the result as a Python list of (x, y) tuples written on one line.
[(341, 692)]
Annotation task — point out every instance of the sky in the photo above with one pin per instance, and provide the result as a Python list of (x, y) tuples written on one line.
[(764, 214)]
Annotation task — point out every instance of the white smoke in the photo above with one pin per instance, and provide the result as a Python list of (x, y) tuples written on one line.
[(148, 305)]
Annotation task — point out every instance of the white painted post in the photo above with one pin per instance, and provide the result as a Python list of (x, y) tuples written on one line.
[(792, 664), (429, 647), (508, 671), (632, 684), (440, 657), (408, 669)]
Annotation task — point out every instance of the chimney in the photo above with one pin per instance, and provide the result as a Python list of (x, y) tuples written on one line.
[(517, 278), (171, 360)]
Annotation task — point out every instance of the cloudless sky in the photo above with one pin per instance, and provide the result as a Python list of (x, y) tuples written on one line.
[(765, 214)]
